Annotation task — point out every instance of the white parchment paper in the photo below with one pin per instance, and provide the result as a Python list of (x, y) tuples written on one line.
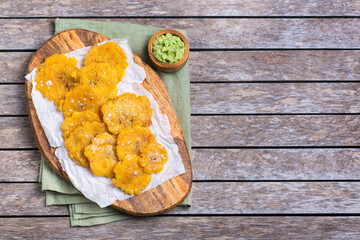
[(100, 189)]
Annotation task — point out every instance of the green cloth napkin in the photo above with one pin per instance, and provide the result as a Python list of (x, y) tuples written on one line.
[(83, 212)]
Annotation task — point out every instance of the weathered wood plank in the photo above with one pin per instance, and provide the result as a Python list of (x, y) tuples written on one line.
[(17, 166), (209, 32), (241, 98), (188, 228), (31, 33), (13, 66), (75, 8), (274, 65), (266, 98), (13, 100), (235, 164), (21, 197), (276, 164), (238, 66), (16, 132), (284, 130), (225, 198)]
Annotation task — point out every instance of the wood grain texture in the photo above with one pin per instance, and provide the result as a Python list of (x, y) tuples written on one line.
[(154, 201), (16, 132), (218, 198), (276, 164), (233, 66), (14, 64), (26, 34), (14, 194), (13, 100), (235, 164), (110, 8), (241, 98), (233, 131), (274, 66), (257, 33), (266, 98), (189, 228), (287, 130), (274, 197), (19, 166)]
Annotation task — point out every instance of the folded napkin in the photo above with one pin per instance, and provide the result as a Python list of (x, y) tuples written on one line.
[(83, 212)]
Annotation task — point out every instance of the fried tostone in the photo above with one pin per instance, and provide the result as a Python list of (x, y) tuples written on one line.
[(54, 77), (76, 119), (102, 77), (129, 176), (109, 52), (153, 158), (127, 110), (132, 140), (102, 155), (82, 98), (80, 138)]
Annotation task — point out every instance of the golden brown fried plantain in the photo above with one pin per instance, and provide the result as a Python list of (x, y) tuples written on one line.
[(111, 53), (80, 138), (102, 155), (132, 140), (102, 77), (54, 77), (129, 176), (76, 119), (82, 98), (153, 158), (127, 110)]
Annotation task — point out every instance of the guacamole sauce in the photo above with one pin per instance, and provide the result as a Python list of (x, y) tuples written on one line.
[(168, 48)]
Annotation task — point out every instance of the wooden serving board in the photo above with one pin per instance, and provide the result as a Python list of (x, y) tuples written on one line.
[(155, 201)]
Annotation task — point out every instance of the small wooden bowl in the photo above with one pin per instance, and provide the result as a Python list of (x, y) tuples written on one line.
[(169, 67)]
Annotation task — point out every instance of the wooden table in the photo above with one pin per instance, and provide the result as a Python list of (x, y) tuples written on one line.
[(275, 119)]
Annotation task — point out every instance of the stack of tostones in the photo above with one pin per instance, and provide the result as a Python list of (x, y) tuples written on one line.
[(80, 138), (127, 110), (102, 155), (132, 140), (76, 119), (139, 155), (153, 157), (129, 176), (102, 77), (82, 98), (111, 53), (54, 77), (104, 132)]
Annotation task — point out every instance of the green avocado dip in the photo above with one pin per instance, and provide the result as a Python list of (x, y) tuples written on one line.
[(168, 48)]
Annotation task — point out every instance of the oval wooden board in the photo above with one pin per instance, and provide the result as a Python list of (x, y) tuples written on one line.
[(155, 201)]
